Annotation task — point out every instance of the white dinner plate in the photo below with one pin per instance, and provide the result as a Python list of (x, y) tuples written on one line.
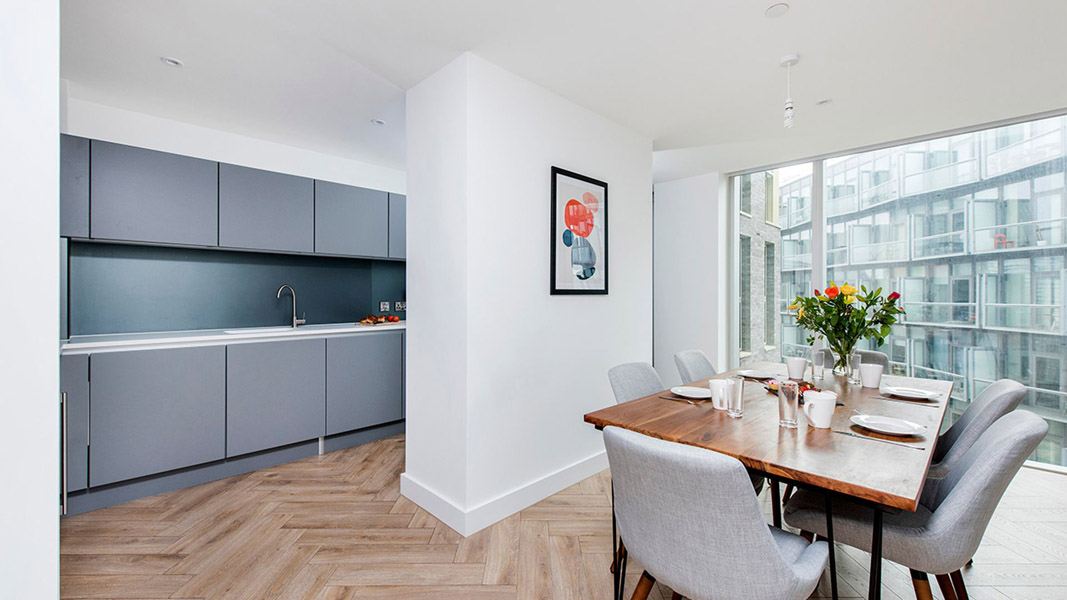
[(911, 393), (753, 374), (889, 425), (697, 393)]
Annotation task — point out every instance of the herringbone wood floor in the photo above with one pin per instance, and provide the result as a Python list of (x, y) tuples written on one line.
[(336, 527)]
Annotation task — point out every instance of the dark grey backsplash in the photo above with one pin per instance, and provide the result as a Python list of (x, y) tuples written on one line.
[(116, 288)]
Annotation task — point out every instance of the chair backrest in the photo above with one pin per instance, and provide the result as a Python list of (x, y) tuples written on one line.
[(998, 399), (690, 518), (630, 381), (967, 497), (693, 365)]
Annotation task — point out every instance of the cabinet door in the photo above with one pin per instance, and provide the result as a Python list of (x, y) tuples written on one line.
[(351, 220), (364, 380), (398, 218), (148, 196), (73, 186), (276, 394), (156, 410), (74, 382), (265, 211)]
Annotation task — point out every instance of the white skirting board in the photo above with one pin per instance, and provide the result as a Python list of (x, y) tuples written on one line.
[(467, 522)]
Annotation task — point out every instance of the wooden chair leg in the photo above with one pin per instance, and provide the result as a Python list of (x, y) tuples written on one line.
[(961, 588), (921, 583), (948, 590), (644, 587)]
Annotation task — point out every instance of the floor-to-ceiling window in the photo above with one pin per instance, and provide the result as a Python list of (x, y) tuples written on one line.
[(970, 229), (774, 213)]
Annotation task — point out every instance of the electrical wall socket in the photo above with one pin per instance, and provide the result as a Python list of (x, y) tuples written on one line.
[(401, 306), (383, 307)]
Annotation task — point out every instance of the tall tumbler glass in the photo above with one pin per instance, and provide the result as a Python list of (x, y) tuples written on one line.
[(788, 403), (854, 363), (735, 397), (818, 362)]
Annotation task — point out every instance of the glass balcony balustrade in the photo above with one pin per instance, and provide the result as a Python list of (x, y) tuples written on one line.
[(942, 177), (1047, 233), (941, 313), (1034, 150), (1036, 318)]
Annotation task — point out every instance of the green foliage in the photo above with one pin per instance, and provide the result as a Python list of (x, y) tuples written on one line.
[(844, 315)]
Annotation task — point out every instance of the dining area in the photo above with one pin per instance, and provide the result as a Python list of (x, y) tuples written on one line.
[(848, 455)]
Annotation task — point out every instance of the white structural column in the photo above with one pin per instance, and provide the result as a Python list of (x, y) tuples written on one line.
[(29, 301), (690, 272), (499, 372)]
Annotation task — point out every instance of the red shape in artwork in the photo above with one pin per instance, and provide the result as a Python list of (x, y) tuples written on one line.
[(578, 218), (590, 201)]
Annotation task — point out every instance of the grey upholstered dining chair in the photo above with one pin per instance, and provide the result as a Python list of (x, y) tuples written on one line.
[(939, 538), (693, 365), (630, 381), (689, 517)]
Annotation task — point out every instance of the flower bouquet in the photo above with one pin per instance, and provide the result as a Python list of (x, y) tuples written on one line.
[(844, 315)]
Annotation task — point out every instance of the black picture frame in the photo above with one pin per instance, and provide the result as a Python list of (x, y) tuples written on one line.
[(556, 233)]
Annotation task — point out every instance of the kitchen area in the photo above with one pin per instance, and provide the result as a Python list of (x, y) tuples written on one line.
[(217, 319)]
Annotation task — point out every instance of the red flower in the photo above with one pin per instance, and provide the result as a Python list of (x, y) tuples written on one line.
[(818, 293), (831, 292), (893, 296)]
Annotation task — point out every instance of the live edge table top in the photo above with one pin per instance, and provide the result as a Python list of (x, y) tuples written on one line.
[(881, 473)]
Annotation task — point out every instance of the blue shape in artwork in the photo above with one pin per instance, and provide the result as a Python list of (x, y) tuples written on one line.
[(568, 237), (583, 258)]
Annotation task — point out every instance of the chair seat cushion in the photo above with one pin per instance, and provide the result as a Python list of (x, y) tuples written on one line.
[(789, 544), (905, 538)]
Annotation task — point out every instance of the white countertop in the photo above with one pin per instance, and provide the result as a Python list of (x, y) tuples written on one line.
[(87, 344)]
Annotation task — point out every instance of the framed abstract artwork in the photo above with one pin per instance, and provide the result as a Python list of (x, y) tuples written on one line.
[(579, 245)]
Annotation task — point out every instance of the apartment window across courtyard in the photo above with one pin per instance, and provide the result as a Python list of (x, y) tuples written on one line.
[(971, 229)]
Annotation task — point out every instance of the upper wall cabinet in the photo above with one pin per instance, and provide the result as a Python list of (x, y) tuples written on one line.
[(148, 196), (262, 210), (351, 220), (398, 217), (73, 186)]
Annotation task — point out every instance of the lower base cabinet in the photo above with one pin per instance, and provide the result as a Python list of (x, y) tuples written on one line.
[(364, 380), (74, 385), (276, 394), (155, 410)]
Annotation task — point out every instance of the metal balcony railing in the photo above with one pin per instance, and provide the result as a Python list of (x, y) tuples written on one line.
[(1046, 233), (939, 178), (1030, 151)]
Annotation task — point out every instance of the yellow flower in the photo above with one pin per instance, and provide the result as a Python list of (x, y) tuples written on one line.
[(848, 290), (800, 313), (850, 299), (792, 307)]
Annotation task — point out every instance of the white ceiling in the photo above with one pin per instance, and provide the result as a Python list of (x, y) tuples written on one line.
[(700, 77)]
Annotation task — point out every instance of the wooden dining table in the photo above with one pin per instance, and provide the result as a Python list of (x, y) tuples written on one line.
[(884, 472)]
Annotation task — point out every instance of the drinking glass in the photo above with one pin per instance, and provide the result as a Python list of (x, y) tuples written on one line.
[(735, 397), (818, 361), (788, 403), (854, 362)]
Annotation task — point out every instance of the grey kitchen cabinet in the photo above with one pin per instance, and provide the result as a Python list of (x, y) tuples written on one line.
[(276, 394), (74, 383), (262, 210), (73, 186), (398, 228), (148, 196), (351, 220), (155, 410), (364, 380)]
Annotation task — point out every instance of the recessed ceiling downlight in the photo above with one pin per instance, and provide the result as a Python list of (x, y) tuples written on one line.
[(378, 122), (776, 10), (170, 61)]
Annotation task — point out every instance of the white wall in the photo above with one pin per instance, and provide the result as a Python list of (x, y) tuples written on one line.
[(534, 363), (690, 272), (29, 301), (97, 121)]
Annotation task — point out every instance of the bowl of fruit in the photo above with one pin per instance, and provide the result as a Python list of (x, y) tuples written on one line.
[(379, 319)]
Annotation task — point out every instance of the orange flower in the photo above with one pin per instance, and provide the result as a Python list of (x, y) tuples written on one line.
[(831, 292)]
